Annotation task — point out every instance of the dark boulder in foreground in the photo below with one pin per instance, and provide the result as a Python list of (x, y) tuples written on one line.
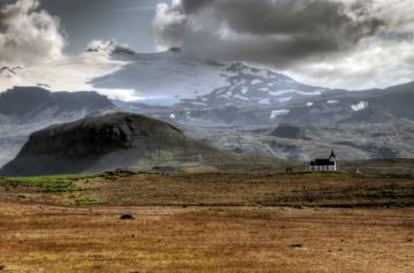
[(114, 141), (127, 216)]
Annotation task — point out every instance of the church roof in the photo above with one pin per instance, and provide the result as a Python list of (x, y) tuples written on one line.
[(322, 162)]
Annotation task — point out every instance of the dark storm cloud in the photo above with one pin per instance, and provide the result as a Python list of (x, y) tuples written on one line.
[(194, 6), (272, 30)]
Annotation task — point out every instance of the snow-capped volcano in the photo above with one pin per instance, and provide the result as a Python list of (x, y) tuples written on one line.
[(164, 78), (173, 78)]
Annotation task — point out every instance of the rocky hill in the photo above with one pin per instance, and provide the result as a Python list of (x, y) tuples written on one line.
[(109, 142)]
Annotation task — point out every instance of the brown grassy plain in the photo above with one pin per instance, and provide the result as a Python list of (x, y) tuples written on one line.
[(207, 223)]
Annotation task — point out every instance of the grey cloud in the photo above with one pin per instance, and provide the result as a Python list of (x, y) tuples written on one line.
[(169, 26), (335, 43), (273, 31), (28, 34), (194, 6)]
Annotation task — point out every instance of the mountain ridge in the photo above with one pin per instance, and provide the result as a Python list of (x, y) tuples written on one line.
[(26, 100)]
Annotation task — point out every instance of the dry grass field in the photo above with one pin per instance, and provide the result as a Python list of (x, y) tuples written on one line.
[(37, 238), (234, 223)]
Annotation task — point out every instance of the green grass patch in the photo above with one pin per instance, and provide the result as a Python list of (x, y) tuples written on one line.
[(48, 184), (90, 202)]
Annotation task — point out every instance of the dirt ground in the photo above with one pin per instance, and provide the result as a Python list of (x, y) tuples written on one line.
[(44, 238), (205, 223)]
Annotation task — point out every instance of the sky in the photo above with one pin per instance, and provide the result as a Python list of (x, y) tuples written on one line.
[(127, 21), (354, 44)]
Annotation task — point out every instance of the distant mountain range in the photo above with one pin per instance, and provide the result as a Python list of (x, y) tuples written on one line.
[(328, 109), (359, 125), (232, 106), (188, 91)]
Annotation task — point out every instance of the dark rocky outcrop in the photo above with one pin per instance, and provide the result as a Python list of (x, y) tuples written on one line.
[(114, 141)]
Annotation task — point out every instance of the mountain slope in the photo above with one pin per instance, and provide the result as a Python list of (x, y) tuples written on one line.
[(108, 142), (247, 86), (326, 109), (371, 106)]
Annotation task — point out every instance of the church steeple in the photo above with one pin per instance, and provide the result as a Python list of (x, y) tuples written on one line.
[(332, 156)]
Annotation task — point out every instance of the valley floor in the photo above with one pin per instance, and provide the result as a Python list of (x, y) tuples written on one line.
[(235, 223)]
